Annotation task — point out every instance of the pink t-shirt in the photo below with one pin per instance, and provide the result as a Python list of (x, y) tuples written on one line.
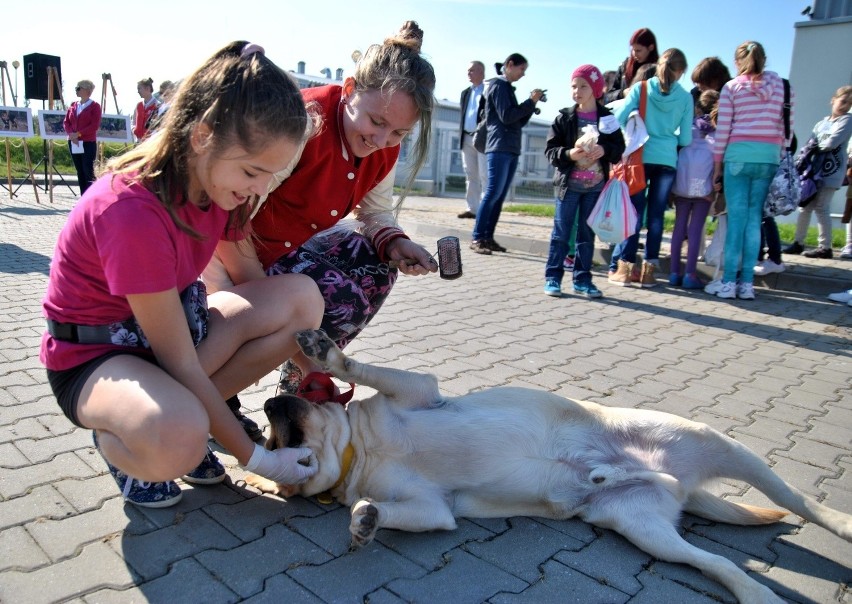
[(120, 240)]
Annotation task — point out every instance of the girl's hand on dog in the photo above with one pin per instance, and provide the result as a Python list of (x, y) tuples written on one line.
[(284, 466)]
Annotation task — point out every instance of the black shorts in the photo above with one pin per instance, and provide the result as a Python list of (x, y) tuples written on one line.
[(68, 383)]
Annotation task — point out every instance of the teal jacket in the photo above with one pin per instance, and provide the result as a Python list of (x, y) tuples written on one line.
[(668, 120)]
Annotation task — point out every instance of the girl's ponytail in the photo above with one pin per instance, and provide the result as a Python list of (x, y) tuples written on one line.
[(671, 64)]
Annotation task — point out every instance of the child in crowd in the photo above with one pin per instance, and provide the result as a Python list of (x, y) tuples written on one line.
[(132, 351), (693, 190), (750, 136), (581, 172), (832, 134)]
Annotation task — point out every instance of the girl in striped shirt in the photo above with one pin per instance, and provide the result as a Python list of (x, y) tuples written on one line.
[(749, 141)]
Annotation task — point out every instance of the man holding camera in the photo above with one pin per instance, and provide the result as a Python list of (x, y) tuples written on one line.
[(505, 118)]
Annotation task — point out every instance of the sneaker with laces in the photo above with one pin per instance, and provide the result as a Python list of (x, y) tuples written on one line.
[(553, 288), (846, 252), (842, 297), (141, 493), (721, 289), (209, 471), (767, 267), (587, 289), (568, 263), (480, 247), (745, 291)]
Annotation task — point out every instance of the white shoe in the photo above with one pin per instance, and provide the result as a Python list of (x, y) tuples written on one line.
[(767, 267), (842, 297), (721, 289), (745, 291), (846, 252)]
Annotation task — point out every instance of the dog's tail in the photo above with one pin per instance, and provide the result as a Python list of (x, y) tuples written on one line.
[(707, 505)]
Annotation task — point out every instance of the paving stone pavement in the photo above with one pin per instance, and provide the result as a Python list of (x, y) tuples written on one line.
[(773, 373)]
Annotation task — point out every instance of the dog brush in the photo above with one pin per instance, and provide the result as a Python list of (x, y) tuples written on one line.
[(449, 258)]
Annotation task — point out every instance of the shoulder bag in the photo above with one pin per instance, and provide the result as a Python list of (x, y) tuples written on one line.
[(631, 170)]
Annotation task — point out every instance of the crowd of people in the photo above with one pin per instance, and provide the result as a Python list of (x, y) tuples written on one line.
[(238, 194), (712, 150)]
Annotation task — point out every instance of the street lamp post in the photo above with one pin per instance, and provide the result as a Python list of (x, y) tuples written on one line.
[(16, 64)]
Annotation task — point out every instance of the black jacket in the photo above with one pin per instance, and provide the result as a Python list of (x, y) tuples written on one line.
[(505, 116), (564, 132)]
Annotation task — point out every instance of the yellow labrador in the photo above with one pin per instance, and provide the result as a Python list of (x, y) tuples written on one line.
[(410, 459)]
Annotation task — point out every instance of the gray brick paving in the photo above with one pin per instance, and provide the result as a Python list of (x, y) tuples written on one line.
[(773, 373)]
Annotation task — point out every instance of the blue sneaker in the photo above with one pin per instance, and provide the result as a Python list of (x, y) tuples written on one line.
[(552, 288), (692, 281), (587, 289), (143, 494), (209, 471), (675, 280)]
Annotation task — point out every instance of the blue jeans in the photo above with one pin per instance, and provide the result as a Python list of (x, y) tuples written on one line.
[(626, 250), (501, 171), (573, 207), (660, 181), (746, 186)]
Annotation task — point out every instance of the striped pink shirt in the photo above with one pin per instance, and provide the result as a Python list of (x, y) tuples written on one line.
[(751, 111)]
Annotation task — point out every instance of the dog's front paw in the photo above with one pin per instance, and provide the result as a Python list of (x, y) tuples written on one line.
[(364, 522), (264, 485), (315, 343)]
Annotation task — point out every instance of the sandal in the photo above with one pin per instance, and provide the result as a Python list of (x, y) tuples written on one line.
[(326, 393)]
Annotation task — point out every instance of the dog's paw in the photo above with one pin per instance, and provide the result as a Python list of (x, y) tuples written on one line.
[(264, 485), (364, 522), (315, 343)]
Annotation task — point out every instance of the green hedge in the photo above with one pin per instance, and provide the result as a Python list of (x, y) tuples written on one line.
[(36, 145)]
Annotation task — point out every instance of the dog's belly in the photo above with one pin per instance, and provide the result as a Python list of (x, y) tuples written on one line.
[(500, 451)]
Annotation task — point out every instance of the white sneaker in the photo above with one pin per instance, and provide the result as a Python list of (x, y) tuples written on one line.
[(745, 291), (721, 289), (767, 267), (846, 252), (842, 297)]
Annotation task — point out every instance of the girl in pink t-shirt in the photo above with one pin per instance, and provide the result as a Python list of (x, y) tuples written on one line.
[(124, 356)]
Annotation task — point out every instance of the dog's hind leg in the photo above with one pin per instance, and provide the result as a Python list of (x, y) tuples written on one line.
[(743, 464), (414, 389), (658, 537)]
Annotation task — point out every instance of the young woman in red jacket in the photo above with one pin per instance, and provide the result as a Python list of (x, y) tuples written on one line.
[(146, 109), (81, 125)]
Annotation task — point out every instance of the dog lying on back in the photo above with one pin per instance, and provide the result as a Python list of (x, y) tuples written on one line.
[(409, 459)]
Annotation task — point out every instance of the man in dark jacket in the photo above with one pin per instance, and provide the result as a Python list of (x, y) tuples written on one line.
[(472, 160)]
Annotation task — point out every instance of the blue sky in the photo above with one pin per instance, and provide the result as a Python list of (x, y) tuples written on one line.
[(167, 40)]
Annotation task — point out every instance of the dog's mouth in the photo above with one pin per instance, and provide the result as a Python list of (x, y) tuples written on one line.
[(286, 414)]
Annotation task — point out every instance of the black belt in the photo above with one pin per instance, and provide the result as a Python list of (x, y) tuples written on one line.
[(85, 334)]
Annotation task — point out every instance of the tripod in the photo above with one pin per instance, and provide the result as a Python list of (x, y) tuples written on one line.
[(4, 78), (53, 84), (107, 77)]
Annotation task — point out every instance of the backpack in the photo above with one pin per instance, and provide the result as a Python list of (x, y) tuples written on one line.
[(694, 177)]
